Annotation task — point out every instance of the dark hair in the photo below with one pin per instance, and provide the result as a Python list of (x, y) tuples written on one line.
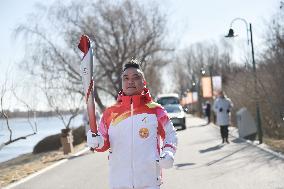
[(133, 63)]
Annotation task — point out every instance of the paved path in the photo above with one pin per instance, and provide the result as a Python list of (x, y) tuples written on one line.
[(201, 163)]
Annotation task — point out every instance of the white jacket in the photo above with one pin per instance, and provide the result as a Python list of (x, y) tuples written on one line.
[(222, 108), (132, 130)]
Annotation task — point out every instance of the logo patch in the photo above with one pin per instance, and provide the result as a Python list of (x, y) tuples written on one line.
[(144, 132)]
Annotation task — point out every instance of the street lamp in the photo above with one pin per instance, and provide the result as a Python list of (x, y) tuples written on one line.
[(250, 41), (196, 86)]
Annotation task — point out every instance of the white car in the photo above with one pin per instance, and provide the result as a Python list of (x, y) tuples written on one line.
[(176, 114), (170, 98)]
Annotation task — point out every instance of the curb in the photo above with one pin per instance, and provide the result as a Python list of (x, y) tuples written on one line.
[(12, 185), (233, 131)]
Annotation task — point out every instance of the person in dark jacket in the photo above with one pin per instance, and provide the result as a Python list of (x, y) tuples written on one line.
[(208, 112)]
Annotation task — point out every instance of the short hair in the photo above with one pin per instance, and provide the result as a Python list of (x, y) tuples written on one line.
[(133, 63)]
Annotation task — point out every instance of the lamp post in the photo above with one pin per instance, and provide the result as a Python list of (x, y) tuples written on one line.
[(200, 97), (250, 41), (211, 80)]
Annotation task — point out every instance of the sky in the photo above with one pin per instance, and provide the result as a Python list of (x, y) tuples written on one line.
[(190, 21), (206, 19)]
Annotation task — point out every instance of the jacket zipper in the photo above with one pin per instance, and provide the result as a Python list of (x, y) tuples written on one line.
[(132, 147)]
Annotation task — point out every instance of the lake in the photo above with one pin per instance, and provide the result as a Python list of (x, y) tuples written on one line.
[(20, 127)]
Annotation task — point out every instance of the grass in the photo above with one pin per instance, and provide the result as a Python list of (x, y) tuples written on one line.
[(24, 165), (275, 144)]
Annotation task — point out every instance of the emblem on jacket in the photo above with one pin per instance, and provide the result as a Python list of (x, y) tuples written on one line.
[(144, 132)]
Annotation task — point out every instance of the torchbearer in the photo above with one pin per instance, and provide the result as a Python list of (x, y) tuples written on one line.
[(137, 132)]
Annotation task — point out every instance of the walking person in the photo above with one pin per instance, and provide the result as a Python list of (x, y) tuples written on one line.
[(222, 107), (132, 130), (208, 112)]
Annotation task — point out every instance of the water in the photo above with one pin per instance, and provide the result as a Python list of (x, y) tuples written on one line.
[(21, 127)]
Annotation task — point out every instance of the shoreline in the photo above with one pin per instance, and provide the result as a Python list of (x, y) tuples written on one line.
[(26, 164)]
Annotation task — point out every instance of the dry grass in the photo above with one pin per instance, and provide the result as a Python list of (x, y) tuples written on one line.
[(276, 145), (24, 165)]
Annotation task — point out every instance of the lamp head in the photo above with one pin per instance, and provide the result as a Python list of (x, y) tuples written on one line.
[(202, 71), (231, 33)]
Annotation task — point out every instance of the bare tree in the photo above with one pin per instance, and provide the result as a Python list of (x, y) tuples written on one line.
[(4, 91), (201, 59), (29, 109), (202, 56), (270, 74), (71, 102), (121, 31)]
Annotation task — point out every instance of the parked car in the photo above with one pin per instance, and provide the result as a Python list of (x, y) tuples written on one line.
[(171, 98), (176, 114)]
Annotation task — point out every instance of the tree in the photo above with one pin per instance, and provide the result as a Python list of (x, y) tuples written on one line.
[(7, 90), (202, 56), (58, 98), (120, 31), (270, 77)]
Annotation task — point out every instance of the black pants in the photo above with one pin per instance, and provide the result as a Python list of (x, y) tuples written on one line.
[(224, 131), (208, 117)]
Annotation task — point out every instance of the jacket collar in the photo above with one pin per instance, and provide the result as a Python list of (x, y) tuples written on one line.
[(137, 100)]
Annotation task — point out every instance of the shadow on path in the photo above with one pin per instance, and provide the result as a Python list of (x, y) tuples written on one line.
[(217, 147), (237, 141), (183, 165), (218, 160), (194, 126)]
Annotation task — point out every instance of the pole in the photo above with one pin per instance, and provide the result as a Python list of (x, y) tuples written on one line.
[(211, 80), (258, 120), (199, 102)]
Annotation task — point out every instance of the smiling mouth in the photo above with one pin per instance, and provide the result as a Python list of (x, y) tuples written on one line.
[(131, 87)]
